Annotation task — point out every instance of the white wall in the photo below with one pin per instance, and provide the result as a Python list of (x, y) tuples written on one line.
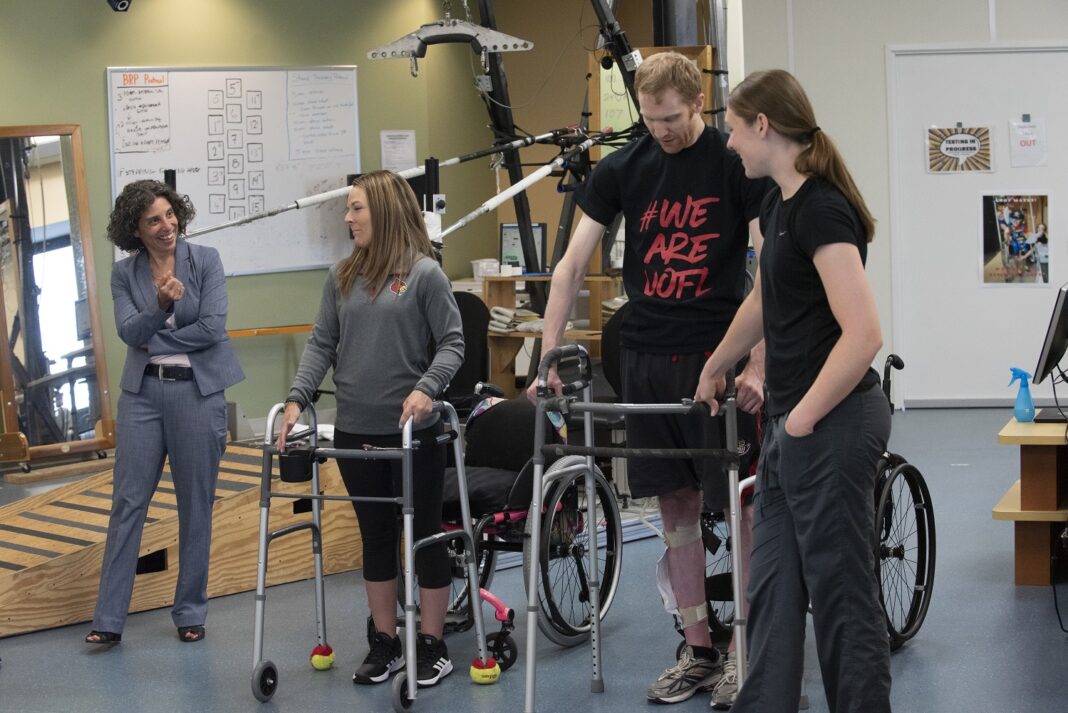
[(839, 55)]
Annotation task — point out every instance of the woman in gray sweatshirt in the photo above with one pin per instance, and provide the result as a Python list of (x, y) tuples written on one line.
[(389, 326)]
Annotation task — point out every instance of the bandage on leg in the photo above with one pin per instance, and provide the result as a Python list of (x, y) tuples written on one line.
[(682, 536), (688, 616)]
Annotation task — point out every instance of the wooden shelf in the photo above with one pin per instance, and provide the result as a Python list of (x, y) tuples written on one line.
[(1037, 503), (267, 331), (1032, 434), (1008, 508), (576, 335), (499, 291)]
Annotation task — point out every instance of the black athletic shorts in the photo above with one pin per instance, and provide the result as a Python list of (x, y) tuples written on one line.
[(669, 378)]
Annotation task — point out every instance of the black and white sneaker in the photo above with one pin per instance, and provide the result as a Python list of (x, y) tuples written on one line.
[(383, 659), (432, 660)]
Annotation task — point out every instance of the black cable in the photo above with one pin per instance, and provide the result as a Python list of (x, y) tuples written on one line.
[(1060, 377), (1053, 586)]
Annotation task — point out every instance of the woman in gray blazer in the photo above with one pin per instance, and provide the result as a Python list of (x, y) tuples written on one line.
[(170, 310)]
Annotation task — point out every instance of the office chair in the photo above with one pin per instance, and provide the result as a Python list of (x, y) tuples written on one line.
[(475, 317)]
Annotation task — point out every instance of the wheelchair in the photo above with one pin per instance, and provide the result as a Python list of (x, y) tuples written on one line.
[(499, 472), (904, 547), (904, 538)]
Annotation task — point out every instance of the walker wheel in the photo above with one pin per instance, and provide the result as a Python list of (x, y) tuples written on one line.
[(401, 701), (503, 648), (264, 681)]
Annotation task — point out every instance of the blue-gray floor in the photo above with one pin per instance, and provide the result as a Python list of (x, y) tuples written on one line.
[(987, 645)]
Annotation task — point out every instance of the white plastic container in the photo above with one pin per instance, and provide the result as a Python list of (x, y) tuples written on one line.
[(485, 266)]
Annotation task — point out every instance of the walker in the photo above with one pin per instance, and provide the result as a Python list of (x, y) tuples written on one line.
[(547, 401), (302, 464)]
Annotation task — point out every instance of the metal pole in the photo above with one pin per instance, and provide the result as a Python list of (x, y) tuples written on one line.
[(740, 655), (517, 188), (719, 65), (316, 199), (408, 512), (535, 547)]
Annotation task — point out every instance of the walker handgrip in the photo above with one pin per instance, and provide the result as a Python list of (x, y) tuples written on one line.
[(557, 355), (697, 408), (729, 391), (573, 388)]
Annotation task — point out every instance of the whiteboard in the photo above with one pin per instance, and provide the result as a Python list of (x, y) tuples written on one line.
[(243, 140), (957, 335)]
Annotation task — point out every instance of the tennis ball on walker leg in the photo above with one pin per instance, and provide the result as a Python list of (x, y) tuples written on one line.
[(485, 673), (322, 657)]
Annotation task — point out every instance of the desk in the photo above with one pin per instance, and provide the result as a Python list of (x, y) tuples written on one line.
[(499, 291), (1037, 503)]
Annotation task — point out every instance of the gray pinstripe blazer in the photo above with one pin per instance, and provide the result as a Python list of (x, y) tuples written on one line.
[(200, 316)]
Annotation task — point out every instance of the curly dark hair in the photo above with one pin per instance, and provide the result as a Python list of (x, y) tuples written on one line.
[(135, 199)]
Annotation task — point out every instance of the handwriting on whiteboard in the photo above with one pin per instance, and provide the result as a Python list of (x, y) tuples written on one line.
[(142, 113)]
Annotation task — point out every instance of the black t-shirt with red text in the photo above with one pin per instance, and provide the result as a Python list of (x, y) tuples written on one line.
[(687, 231), (799, 327)]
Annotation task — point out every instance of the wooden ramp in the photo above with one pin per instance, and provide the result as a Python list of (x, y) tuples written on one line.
[(52, 545)]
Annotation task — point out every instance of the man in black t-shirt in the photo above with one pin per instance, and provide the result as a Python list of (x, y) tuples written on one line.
[(689, 212)]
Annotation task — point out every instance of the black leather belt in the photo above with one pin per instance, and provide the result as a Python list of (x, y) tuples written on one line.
[(170, 372)]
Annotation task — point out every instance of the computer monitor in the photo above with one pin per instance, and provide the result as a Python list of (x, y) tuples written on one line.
[(1056, 338), (512, 247)]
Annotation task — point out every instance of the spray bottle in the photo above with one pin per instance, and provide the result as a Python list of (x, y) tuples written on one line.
[(1025, 406)]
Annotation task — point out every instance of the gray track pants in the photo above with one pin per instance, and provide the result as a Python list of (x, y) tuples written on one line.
[(812, 542)]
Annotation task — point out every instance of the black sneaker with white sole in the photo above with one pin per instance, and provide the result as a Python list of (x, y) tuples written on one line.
[(432, 660), (382, 660)]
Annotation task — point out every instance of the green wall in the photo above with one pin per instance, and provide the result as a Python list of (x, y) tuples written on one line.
[(55, 53)]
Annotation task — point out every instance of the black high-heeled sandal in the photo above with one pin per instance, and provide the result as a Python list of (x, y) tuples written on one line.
[(102, 637), (190, 634)]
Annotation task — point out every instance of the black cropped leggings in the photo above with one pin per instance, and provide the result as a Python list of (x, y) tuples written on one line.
[(380, 524)]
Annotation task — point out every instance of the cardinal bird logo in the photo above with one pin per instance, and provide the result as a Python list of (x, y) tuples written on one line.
[(398, 286)]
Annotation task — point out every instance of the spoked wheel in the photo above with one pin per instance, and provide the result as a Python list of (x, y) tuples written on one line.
[(458, 616), (563, 576), (264, 681), (503, 648), (401, 701), (719, 571), (904, 551)]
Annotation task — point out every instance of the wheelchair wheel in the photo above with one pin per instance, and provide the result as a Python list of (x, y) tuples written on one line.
[(458, 616), (719, 573), (563, 592), (904, 549)]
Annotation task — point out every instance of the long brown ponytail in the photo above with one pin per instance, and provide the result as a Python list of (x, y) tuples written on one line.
[(778, 95)]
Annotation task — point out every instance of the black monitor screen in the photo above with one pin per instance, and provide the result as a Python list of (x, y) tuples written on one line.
[(1056, 338)]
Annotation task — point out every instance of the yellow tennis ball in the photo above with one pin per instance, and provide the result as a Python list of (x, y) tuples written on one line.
[(485, 673), (322, 657)]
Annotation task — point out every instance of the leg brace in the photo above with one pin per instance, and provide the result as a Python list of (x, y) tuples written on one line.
[(680, 537)]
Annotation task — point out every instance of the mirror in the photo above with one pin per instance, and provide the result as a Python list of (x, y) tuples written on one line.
[(53, 374)]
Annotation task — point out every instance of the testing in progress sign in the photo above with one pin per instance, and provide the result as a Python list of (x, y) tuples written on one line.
[(958, 149)]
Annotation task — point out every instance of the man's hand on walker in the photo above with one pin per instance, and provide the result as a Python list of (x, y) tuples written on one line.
[(749, 388), (553, 381), (710, 387)]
